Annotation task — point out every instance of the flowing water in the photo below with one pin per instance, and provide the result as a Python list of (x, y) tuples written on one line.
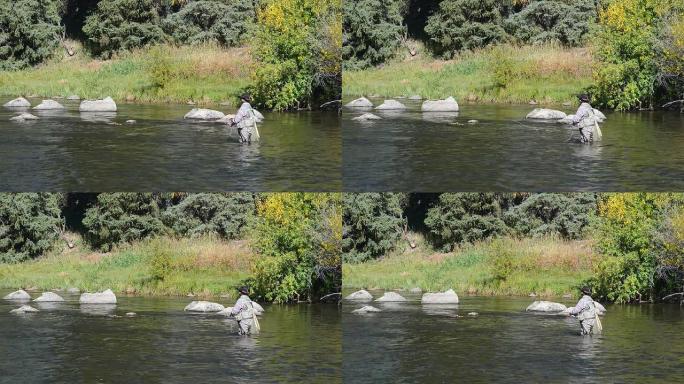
[(410, 342), (72, 343), (96, 152), (424, 152)]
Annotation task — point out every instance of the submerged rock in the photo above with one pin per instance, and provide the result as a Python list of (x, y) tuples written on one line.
[(367, 309), (204, 306), (104, 105), (390, 105), (19, 102), (49, 297), (546, 306), (361, 295), (391, 297), (105, 297), (361, 102), (448, 297), (23, 117), (24, 309), (18, 295), (546, 114), (367, 117), (204, 114), (48, 105), (447, 105)]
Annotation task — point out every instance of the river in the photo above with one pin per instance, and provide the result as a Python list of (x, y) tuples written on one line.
[(423, 152), (71, 151), (410, 342), (72, 343)]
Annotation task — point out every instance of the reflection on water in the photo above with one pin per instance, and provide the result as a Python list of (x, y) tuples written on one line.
[(410, 342), (68, 150), (415, 151), (72, 343)]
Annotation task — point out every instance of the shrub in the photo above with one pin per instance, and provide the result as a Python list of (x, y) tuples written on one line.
[(223, 214), (121, 25), (373, 223), (30, 223), (28, 32), (567, 215), (160, 262)]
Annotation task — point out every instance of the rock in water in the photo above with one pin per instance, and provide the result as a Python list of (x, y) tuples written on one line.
[(391, 297), (546, 114), (18, 295), (416, 290), (73, 97), (448, 297), (447, 105), (73, 290), (390, 105), (204, 114), (366, 309), (204, 306), (23, 117), (546, 306), (131, 314), (24, 309), (105, 105), (19, 102), (48, 104), (361, 102), (106, 297), (361, 295), (473, 314), (49, 297), (415, 97), (131, 121), (367, 117)]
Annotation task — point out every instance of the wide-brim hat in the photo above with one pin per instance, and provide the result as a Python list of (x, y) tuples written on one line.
[(244, 290), (246, 97), (583, 97), (586, 290)]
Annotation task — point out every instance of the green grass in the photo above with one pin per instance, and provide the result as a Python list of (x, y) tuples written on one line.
[(502, 74), (548, 267), (204, 74), (203, 266)]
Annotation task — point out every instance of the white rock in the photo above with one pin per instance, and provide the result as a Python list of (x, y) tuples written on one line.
[(391, 297), (204, 306), (48, 104), (24, 309), (473, 121), (361, 102), (131, 314), (448, 297), (366, 309), (73, 290), (105, 105), (106, 297), (390, 105), (546, 114), (367, 116), (49, 297), (23, 117), (473, 314), (415, 97), (546, 306), (416, 290), (19, 102), (131, 121), (18, 295), (361, 295), (447, 105), (73, 97), (204, 114)]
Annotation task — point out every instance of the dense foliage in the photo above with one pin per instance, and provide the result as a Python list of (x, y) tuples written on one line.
[(222, 214), (30, 223), (29, 32), (565, 215)]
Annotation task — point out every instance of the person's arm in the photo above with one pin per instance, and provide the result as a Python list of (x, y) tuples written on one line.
[(237, 308), (581, 113), (242, 113), (581, 305)]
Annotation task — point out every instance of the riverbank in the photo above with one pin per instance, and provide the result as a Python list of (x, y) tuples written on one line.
[(548, 267), (164, 266), (203, 74), (547, 74)]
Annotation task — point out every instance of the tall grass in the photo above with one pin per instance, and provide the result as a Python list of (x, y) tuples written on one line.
[(203, 266), (204, 74), (501, 74), (506, 266)]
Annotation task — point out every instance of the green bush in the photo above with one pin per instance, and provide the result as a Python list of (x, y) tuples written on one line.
[(28, 32), (160, 262), (121, 25), (205, 21), (373, 223), (567, 215), (30, 223), (223, 214)]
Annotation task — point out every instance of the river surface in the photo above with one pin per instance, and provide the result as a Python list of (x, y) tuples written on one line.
[(91, 152), (409, 343), (432, 152), (72, 343)]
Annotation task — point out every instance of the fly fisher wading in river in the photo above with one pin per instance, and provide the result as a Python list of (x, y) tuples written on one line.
[(586, 313), (243, 311), (585, 119), (245, 120)]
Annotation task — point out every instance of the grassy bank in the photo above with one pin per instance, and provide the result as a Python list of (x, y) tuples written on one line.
[(162, 266), (503, 74), (204, 74), (548, 267)]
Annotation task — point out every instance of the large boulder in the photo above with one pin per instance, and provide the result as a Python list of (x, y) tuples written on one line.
[(18, 295), (361, 295), (48, 105), (367, 117), (19, 102), (105, 105), (49, 297), (204, 114), (447, 105), (546, 114), (366, 309), (361, 102), (448, 297), (390, 105), (24, 309), (23, 117), (546, 306), (204, 306), (391, 297), (106, 297)]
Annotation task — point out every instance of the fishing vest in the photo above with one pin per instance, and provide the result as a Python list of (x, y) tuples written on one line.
[(247, 312)]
